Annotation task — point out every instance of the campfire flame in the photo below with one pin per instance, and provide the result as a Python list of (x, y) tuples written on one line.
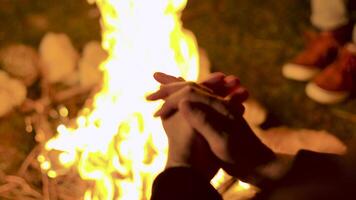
[(115, 142)]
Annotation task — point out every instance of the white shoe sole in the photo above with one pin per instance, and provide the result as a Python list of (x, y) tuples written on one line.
[(299, 72), (323, 96)]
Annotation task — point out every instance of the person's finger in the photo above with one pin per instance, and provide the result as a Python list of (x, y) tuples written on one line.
[(230, 84), (213, 79), (235, 100), (166, 90), (165, 78), (221, 84), (231, 81), (238, 96), (193, 94), (215, 83)]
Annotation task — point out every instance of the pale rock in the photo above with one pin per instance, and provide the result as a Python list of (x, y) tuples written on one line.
[(21, 61), (12, 93), (5, 105), (58, 56), (72, 79), (18, 91), (93, 56), (3, 76), (289, 141)]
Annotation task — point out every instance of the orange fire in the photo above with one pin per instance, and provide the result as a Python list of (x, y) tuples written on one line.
[(115, 141)]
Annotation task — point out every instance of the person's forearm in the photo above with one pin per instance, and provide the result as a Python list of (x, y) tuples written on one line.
[(303, 172)]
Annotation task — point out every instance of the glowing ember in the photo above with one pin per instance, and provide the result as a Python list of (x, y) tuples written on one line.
[(115, 141)]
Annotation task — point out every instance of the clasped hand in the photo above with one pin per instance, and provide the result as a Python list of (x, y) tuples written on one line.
[(204, 125)]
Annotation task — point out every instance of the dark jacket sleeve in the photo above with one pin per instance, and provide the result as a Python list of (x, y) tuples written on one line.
[(182, 183), (313, 176)]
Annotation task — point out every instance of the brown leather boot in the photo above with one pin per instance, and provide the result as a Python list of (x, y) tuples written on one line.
[(336, 82), (320, 51)]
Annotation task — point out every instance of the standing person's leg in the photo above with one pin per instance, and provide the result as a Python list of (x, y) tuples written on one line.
[(328, 15), (331, 18), (338, 80)]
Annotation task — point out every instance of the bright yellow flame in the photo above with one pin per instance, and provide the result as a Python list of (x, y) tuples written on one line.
[(63, 111), (52, 174), (46, 165), (115, 141), (244, 186), (219, 178), (41, 158), (67, 158)]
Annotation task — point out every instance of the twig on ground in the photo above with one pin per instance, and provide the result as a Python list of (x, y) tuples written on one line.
[(70, 93), (28, 160), (45, 187), (25, 188), (345, 115)]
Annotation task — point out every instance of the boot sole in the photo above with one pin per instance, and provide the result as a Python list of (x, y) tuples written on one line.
[(323, 96), (299, 72)]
